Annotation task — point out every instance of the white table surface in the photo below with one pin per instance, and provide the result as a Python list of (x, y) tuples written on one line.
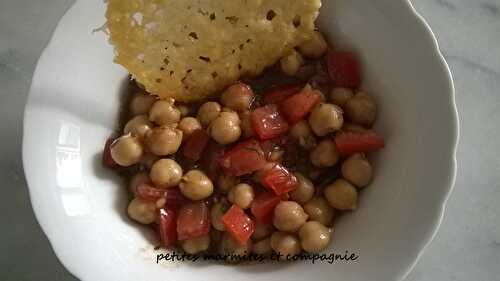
[(467, 246)]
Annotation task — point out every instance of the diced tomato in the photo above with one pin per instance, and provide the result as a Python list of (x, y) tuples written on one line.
[(195, 145), (296, 107), (279, 180), (193, 220), (167, 226), (344, 69), (174, 198), (268, 122), (210, 160), (244, 158), (279, 94), (350, 142), (107, 160), (263, 206), (238, 224), (148, 192)]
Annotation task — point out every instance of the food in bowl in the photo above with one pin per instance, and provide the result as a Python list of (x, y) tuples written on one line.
[(265, 165)]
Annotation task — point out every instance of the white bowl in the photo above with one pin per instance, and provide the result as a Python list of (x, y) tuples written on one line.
[(73, 107)]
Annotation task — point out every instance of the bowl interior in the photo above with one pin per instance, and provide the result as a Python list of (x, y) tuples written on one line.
[(73, 107)]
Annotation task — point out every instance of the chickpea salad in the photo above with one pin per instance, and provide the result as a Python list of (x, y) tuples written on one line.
[(268, 165)]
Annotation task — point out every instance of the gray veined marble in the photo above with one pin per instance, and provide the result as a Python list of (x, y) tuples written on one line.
[(467, 247)]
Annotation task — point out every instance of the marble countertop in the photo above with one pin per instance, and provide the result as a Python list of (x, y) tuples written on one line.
[(467, 246)]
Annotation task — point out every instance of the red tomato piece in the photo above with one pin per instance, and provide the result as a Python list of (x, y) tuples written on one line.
[(268, 122), (148, 192), (279, 180), (344, 69), (279, 94), (351, 142), (296, 107), (238, 224), (244, 158), (263, 206), (210, 160), (107, 160), (195, 145), (193, 220), (167, 226), (174, 198)]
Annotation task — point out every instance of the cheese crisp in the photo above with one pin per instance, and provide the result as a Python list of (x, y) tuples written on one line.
[(189, 49)]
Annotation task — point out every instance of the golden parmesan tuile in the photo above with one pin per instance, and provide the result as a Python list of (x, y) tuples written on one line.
[(189, 49)]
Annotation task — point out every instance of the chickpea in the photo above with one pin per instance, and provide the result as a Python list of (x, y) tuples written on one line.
[(341, 195), (246, 124), (230, 115), (326, 118), (195, 185), (285, 243), (163, 140), (138, 179), (289, 216), (263, 247), (314, 47), (216, 214), (164, 112), (262, 230), (148, 160), (138, 126), (304, 191), (142, 211), (237, 97), (357, 170), (141, 103), (208, 112), (319, 210), (165, 173), (225, 182), (301, 133), (361, 109), (188, 125), (324, 154), (314, 236), (291, 63), (225, 129), (339, 96), (127, 150), (196, 245), (242, 195), (231, 246)]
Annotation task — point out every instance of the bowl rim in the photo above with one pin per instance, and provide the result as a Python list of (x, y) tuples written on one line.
[(445, 196), (432, 230)]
